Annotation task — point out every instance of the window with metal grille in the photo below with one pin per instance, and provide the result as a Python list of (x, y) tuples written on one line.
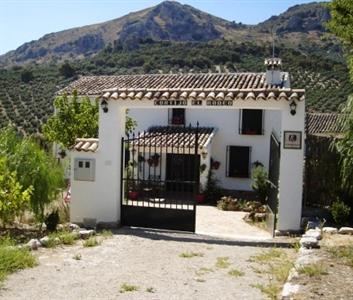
[(176, 116), (238, 161), (251, 121)]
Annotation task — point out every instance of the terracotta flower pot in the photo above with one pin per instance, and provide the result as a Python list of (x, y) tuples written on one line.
[(133, 195), (200, 198)]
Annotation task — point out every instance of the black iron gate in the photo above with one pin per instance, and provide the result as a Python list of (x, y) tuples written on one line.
[(273, 175), (160, 178)]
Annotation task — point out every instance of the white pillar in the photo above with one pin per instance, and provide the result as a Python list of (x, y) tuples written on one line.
[(291, 172), (111, 130)]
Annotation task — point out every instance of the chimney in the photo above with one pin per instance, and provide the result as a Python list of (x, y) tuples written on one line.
[(273, 71)]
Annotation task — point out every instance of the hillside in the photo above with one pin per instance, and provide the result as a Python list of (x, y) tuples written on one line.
[(26, 94), (172, 37), (301, 25)]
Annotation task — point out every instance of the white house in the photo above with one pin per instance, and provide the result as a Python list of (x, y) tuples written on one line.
[(243, 119)]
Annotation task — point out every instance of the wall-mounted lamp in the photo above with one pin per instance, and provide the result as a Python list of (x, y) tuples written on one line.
[(293, 108), (104, 105), (204, 153)]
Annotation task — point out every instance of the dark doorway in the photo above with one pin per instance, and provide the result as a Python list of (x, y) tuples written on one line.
[(181, 172)]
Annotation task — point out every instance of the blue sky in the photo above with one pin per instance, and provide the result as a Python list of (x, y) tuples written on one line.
[(25, 20)]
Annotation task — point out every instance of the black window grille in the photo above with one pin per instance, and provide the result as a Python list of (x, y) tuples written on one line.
[(251, 122), (238, 161)]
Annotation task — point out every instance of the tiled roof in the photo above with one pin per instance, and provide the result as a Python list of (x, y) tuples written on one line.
[(324, 123), (95, 85), (230, 86), (86, 145), (174, 137)]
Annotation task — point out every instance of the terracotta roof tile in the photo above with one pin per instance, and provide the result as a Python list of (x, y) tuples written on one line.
[(86, 145), (230, 86), (173, 137), (324, 123)]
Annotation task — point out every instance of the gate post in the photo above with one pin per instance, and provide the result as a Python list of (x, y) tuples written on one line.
[(109, 164), (291, 172)]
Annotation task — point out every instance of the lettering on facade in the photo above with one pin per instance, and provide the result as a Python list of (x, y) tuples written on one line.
[(170, 102), (196, 102), (219, 102)]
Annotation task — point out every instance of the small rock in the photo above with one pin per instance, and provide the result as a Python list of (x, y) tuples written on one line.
[(44, 241), (60, 227), (259, 217), (34, 244), (330, 230), (73, 226), (346, 230), (309, 242), (314, 233), (313, 225), (289, 289), (84, 234)]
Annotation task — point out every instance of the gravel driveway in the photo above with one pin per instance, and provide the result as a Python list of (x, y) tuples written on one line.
[(149, 260)]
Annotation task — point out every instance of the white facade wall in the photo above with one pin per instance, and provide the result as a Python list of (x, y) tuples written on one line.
[(101, 199), (226, 123)]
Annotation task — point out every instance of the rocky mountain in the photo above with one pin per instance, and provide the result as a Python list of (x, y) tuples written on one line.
[(303, 18), (170, 21)]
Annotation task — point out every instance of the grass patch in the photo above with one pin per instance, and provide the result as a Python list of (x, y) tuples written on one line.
[(13, 259), (125, 287), (91, 242), (271, 290), (267, 256), (222, 262), (106, 233), (236, 273), (313, 270), (61, 238), (344, 252), (191, 254), (275, 265), (203, 271), (77, 256)]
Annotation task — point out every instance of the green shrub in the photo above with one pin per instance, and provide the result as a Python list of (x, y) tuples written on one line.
[(260, 183), (340, 212)]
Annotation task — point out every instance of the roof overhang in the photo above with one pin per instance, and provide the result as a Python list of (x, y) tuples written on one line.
[(205, 94)]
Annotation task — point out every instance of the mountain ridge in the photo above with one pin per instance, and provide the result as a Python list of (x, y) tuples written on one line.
[(169, 21)]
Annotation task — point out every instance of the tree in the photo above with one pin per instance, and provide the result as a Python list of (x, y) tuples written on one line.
[(76, 119), (34, 169), (72, 120), (14, 199), (27, 76), (341, 24), (67, 70), (344, 146)]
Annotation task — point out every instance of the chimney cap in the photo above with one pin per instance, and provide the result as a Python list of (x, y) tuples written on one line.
[(273, 62)]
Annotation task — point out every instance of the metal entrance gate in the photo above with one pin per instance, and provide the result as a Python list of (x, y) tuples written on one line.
[(273, 175), (160, 178)]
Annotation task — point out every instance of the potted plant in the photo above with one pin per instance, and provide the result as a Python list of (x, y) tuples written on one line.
[(133, 193), (153, 161), (215, 164), (203, 168), (200, 196)]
